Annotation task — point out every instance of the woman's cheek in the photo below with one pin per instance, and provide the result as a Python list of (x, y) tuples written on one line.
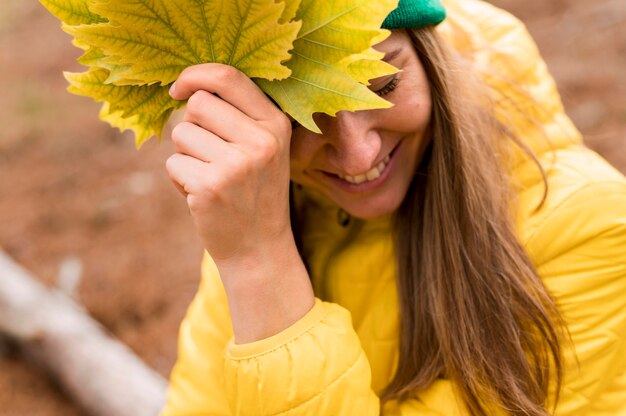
[(300, 156)]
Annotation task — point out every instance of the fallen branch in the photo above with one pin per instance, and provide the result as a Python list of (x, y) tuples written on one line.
[(104, 376)]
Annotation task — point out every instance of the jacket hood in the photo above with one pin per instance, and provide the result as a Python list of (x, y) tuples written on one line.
[(503, 54)]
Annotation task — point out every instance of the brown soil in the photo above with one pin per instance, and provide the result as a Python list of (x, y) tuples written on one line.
[(74, 189)]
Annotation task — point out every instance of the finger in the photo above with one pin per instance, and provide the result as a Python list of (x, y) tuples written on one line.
[(221, 118), (179, 188), (230, 84), (187, 172), (192, 140)]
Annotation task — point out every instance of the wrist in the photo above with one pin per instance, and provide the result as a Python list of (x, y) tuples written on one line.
[(268, 289)]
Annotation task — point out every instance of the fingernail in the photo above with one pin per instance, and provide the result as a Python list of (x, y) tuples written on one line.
[(172, 89)]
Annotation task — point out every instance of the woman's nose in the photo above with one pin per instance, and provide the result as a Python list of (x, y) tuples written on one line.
[(352, 146)]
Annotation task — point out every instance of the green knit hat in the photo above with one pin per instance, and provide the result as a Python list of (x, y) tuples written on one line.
[(415, 13)]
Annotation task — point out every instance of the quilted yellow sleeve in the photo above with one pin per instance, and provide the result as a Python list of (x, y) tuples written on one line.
[(314, 367)]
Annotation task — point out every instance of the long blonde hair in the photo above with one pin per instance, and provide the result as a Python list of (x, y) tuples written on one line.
[(472, 307)]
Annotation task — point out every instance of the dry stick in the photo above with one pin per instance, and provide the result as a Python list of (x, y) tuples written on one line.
[(100, 373)]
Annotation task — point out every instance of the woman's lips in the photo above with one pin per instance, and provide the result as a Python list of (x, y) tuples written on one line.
[(361, 183)]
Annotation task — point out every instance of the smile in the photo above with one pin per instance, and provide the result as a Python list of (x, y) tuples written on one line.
[(370, 175)]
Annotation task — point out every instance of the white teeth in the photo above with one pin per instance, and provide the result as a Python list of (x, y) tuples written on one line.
[(370, 175), (373, 174)]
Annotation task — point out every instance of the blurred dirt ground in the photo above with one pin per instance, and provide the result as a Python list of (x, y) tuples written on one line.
[(74, 189)]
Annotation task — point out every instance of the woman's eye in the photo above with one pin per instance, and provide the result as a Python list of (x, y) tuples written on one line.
[(388, 87)]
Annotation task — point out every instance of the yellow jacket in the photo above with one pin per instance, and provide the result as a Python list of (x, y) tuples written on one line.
[(338, 357)]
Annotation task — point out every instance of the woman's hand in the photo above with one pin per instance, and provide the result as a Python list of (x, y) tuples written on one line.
[(232, 160), (232, 165)]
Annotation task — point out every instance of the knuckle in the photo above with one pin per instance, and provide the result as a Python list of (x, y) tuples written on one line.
[(268, 152), (226, 74), (266, 147), (198, 103), (283, 125), (202, 196), (179, 132)]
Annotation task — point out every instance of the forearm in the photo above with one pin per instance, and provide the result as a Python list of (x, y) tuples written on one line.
[(236, 184)]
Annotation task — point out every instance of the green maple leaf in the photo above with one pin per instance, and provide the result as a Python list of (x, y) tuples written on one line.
[(136, 48)]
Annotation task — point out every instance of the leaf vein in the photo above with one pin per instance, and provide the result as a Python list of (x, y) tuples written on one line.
[(238, 35), (331, 19), (325, 88)]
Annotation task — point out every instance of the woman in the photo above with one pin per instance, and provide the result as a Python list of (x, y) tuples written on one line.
[(460, 253)]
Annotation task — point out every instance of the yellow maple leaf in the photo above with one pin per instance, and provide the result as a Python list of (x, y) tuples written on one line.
[(144, 129), (368, 65), (291, 9), (332, 49), (149, 41), (309, 56), (144, 109), (72, 12), (95, 57)]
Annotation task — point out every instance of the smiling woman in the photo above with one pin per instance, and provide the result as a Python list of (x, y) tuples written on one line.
[(364, 161), (455, 254)]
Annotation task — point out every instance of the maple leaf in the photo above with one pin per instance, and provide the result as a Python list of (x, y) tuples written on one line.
[(333, 45), (368, 65), (95, 57), (143, 109), (72, 12), (291, 9), (309, 57), (144, 129), (148, 41)]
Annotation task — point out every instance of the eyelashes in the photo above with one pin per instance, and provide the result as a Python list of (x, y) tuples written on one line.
[(388, 87)]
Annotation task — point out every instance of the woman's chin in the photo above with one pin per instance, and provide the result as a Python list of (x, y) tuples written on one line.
[(370, 208)]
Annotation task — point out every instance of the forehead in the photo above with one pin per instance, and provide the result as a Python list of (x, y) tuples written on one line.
[(397, 41)]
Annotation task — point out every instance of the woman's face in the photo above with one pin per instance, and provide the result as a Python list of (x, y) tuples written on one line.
[(364, 161)]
